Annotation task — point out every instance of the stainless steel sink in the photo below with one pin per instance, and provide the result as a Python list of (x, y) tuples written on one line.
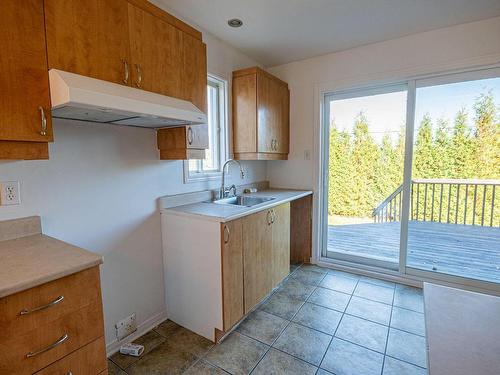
[(243, 200)]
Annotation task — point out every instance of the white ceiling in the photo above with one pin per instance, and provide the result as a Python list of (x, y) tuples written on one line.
[(280, 31)]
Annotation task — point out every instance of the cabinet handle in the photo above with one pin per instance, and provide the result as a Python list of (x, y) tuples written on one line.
[(50, 304), (275, 145), (272, 145), (273, 216), (228, 232), (269, 219), (190, 135), (44, 121), (139, 75), (51, 346), (127, 73)]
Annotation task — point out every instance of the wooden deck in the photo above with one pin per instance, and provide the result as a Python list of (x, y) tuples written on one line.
[(461, 250)]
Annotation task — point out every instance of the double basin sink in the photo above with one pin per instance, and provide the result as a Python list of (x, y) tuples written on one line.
[(243, 200)]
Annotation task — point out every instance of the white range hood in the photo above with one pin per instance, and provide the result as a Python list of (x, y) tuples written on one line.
[(77, 97)]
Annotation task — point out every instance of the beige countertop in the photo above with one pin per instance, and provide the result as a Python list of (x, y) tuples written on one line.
[(463, 331), (226, 212), (34, 259)]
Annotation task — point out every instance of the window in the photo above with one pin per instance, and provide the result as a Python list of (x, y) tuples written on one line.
[(210, 167)]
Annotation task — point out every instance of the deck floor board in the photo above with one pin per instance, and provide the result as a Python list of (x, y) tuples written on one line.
[(461, 250)]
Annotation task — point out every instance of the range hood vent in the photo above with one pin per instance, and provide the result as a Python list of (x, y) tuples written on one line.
[(76, 97)]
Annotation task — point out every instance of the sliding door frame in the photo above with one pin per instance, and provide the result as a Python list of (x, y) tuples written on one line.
[(403, 271), (325, 157)]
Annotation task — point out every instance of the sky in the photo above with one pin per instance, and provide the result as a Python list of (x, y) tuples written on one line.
[(386, 113)]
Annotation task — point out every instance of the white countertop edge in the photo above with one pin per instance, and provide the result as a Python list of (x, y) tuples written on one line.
[(245, 211)]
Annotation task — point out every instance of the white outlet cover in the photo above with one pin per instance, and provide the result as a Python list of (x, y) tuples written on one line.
[(126, 326), (10, 193)]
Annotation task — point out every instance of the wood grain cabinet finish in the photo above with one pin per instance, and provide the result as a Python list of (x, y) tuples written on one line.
[(232, 272), (156, 53), (43, 325), (266, 252), (187, 142), (25, 121), (86, 360), (281, 243), (257, 258), (261, 107), (89, 38)]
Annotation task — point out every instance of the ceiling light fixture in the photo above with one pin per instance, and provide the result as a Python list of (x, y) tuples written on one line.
[(235, 22)]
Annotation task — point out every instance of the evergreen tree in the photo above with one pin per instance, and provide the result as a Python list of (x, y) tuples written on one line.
[(442, 165), (462, 147), (423, 164), (365, 155), (487, 137)]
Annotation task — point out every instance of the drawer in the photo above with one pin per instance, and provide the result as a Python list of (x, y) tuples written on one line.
[(88, 360), (73, 292), (81, 327)]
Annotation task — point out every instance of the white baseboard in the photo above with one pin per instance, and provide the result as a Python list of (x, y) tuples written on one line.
[(113, 346)]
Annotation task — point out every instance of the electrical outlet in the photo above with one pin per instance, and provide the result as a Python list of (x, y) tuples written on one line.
[(9, 193), (126, 326)]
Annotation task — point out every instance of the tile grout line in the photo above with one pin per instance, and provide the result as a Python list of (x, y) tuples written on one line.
[(388, 331), (338, 325), (286, 326)]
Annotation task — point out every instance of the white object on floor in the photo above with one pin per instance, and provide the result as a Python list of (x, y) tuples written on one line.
[(132, 349), (463, 331)]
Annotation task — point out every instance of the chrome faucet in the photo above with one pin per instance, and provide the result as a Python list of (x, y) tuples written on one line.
[(224, 191)]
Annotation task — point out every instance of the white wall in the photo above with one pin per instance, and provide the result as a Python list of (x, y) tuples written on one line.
[(441, 50), (99, 190)]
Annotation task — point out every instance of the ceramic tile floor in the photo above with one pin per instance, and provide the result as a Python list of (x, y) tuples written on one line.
[(319, 321)]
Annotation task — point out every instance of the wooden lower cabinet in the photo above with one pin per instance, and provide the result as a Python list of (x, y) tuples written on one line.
[(52, 326), (86, 360), (280, 243), (232, 271), (257, 258)]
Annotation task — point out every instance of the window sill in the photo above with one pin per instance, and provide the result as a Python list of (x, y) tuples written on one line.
[(201, 177)]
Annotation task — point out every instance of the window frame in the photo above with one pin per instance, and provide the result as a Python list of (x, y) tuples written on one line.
[(191, 176)]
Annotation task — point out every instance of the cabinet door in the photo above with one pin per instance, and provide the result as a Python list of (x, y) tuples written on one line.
[(232, 272), (269, 108), (257, 257), (194, 73), (156, 53), (283, 132), (197, 136), (24, 81), (280, 243), (89, 38)]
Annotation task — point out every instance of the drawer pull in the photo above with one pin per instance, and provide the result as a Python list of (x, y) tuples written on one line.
[(51, 346), (50, 304), (228, 232)]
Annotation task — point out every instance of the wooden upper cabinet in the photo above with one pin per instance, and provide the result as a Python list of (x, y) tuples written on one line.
[(90, 38), (261, 106), (194, 72), (183, 143), (24, 82), (156, 53)]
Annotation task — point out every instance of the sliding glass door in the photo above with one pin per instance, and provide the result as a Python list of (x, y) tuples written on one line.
[(411, 176), (455, 194), (366, 143)]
